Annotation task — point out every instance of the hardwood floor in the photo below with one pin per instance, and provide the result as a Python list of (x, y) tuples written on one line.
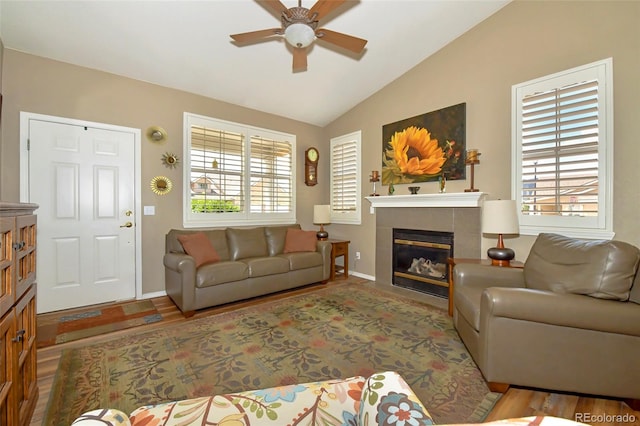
[(516, 402)]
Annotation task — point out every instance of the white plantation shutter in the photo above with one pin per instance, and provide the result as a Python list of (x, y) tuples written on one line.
[(217, 167), (237, 174), (345, 178), (271, 171), (562, 148)]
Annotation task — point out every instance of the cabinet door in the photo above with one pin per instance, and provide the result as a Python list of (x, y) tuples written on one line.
[(8, 413), (7, 277), (25, 255), (25, 348)]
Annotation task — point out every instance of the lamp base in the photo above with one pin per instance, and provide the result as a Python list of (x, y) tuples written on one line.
[(501, 256), (322, 235)]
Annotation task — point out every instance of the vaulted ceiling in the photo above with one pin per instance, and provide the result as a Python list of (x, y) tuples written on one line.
[(186, 45)]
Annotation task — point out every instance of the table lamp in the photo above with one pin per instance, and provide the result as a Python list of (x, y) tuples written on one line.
[(500, 217), (322, 216)]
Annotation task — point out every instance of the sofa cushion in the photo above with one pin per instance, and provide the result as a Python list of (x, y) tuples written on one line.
[(303, 260), (599, 268), (275, 238), (298, 240), (330, 402), (261, 266), (244, 243), (634, 294), (221, 273), (198, 246)]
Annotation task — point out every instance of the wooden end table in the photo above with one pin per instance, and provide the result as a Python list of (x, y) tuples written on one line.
[(339, 248), (452, 261)]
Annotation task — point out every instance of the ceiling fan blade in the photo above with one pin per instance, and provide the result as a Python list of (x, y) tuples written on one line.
[(299, 59), (323, 8), (255, 35), (276, 6), (346, 41)]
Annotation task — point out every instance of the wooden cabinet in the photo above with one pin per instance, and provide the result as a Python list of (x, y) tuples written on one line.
[(18, 378)]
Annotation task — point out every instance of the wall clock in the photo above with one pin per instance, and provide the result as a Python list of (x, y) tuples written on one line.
[(311, 156)]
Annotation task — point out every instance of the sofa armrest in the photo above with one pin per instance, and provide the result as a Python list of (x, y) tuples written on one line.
[(384, 396), (484, 276), (565, 310), (180, 279), (324, 248), (103, 417)]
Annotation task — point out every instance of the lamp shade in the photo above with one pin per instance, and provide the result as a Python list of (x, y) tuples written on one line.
[(322, 214), (500, 217), (299, 35)]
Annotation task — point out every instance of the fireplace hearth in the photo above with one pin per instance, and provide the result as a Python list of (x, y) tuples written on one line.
[(420, 260)]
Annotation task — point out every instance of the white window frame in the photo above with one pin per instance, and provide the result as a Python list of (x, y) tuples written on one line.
[(246, 217), (339, 216), (600, 227)]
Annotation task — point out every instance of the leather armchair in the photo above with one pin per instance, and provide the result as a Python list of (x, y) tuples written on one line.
[(569, 321)]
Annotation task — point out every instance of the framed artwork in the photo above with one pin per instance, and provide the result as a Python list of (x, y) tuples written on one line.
[(425, 147)]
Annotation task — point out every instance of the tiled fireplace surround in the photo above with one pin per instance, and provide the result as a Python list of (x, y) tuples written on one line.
[(457, 213)]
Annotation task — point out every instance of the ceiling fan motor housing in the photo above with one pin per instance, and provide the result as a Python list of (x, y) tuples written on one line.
[(299, 29)]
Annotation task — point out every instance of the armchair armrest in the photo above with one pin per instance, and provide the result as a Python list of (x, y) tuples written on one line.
[(564, 310), (483, 276)]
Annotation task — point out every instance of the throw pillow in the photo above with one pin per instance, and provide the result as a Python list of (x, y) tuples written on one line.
[(298, 240), (198, 246)]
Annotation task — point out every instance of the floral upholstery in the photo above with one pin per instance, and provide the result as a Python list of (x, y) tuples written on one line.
[(383, 398)]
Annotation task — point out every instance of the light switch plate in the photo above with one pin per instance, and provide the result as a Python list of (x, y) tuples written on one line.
[(149, 210)]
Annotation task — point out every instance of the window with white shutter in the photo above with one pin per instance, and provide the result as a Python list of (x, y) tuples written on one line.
[(563, 151), (345, 179), (237, 174)]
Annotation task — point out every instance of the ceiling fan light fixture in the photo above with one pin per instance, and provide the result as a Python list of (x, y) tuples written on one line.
[(299, 35)]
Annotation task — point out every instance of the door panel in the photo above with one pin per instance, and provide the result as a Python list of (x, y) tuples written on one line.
[(83, 180)]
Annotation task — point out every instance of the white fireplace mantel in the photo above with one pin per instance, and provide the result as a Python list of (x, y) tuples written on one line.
[(452, 199)]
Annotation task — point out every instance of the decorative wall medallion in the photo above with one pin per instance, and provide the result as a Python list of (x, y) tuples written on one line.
[(156, 134), (170, 160), (161, 185)]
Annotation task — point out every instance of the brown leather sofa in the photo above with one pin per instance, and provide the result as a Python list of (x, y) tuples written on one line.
[(569, 321), (252, 262)]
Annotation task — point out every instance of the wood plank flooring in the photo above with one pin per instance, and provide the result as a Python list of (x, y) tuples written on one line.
[(516, 402)]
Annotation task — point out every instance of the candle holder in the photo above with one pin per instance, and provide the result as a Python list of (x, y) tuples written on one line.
[(472, 160), (373, 178)]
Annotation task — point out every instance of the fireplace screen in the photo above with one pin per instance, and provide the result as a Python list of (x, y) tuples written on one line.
[(420, 260)]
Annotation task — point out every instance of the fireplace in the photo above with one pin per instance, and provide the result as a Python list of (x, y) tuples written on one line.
[(420, 260)]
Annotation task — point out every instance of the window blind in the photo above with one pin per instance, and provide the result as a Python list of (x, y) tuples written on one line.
[(271, 171), (217, 167), (560, 142), (344, 162)]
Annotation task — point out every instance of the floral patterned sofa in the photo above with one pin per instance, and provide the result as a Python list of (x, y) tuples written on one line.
[(382, 399)]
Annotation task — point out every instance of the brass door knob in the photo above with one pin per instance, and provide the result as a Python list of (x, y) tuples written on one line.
[(127, 225)]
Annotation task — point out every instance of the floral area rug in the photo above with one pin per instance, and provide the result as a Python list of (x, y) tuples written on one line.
[(64, 327), (335, 332)]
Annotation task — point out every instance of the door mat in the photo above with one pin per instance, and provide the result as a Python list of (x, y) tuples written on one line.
[(64, 327)]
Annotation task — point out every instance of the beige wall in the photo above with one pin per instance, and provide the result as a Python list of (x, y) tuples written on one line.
[(523, 41), (43, 86)]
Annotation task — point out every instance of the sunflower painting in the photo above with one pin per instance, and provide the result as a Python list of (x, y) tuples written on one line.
[(425, 147)]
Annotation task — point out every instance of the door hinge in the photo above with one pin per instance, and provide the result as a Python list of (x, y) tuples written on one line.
[(28, 144)]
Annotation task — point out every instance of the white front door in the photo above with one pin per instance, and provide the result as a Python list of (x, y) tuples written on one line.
[(83, 180)]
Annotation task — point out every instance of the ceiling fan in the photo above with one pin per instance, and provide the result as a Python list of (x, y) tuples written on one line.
[(300, 29)]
